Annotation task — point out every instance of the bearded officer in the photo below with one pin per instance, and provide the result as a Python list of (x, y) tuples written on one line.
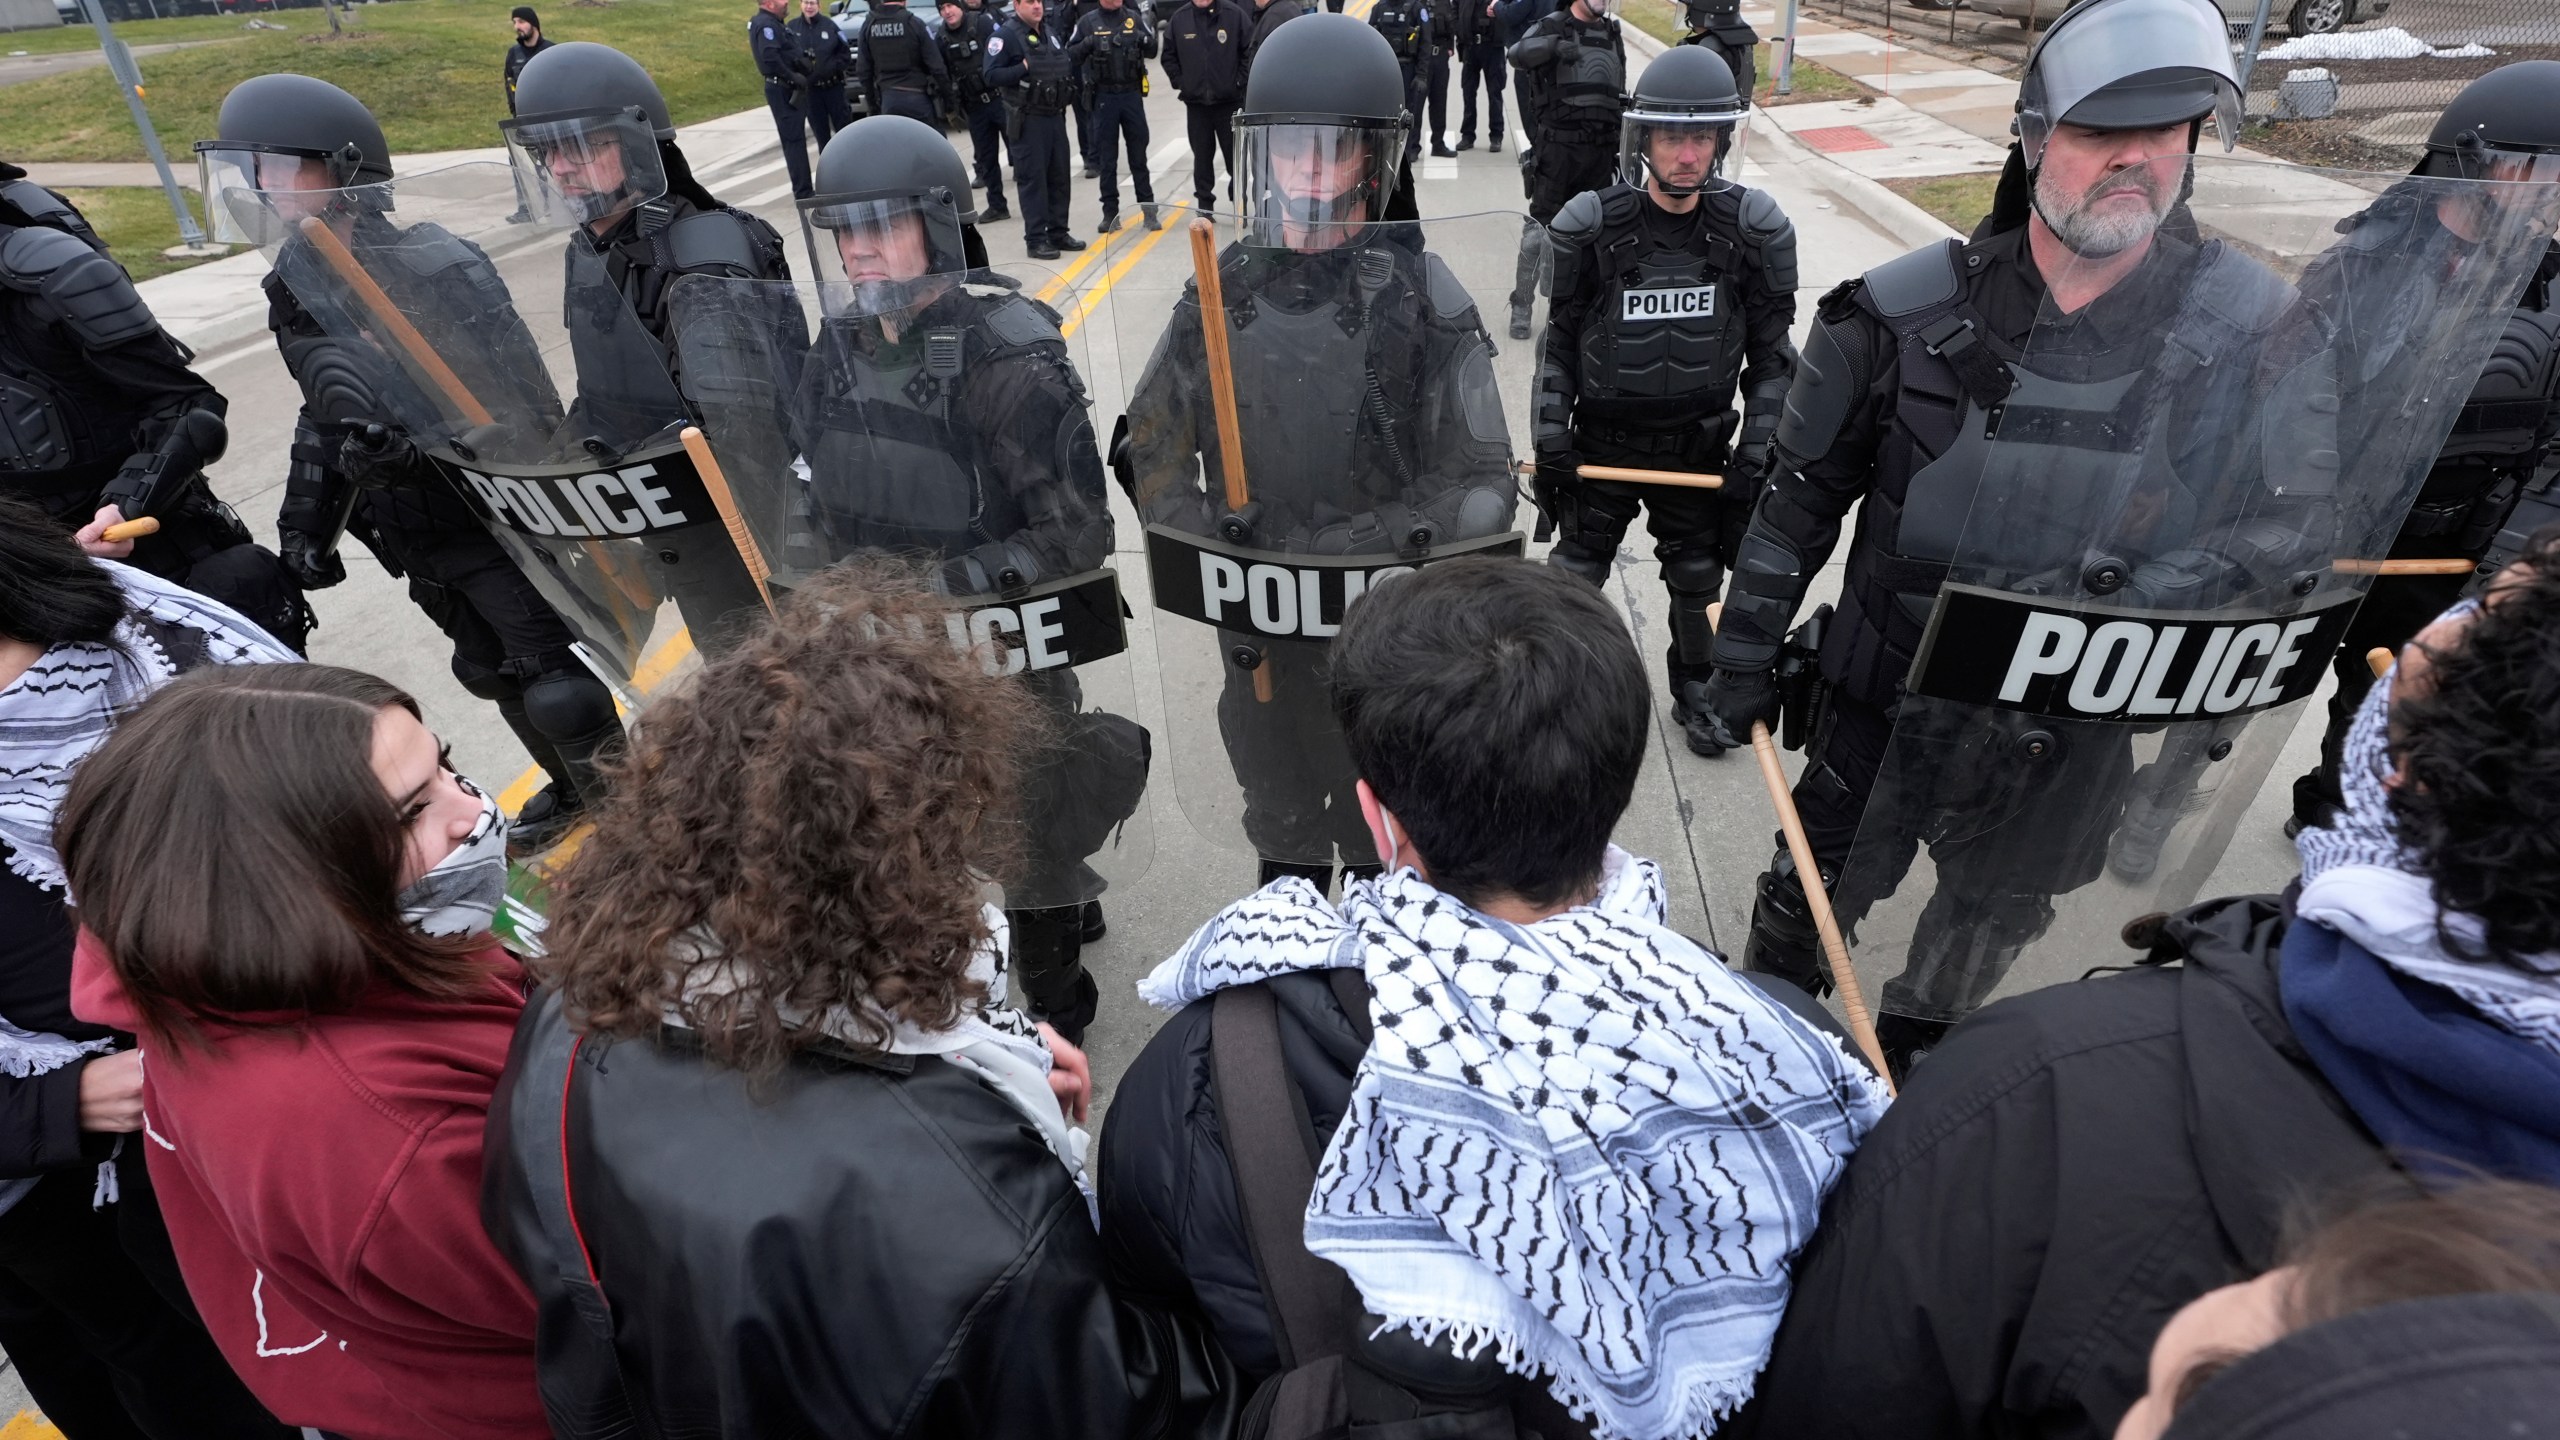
[(1574, 64), (941, 417), (101, 419), (1344, 316), (2504, 126), (1672, 288), (1890, 407), (595, 135), (284, 134)]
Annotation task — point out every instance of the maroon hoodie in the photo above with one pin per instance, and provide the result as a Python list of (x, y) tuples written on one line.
[(322, 1186)]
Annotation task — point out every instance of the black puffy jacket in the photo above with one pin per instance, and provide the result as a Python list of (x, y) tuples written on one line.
[(2065, 1172), (858, 1247)]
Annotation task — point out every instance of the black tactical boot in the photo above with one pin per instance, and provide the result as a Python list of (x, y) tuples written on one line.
[(1907, 1040), (1055, 985), (544, 821), (1784, 940)]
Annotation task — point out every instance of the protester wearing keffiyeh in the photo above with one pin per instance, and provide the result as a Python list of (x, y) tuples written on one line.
[(1580, 1141)]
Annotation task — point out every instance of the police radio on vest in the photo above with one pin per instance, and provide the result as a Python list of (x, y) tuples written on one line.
[(1688, 302)]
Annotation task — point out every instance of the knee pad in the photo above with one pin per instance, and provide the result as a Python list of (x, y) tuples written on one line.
[(1570, 557), (1694, 574), (569, 705)]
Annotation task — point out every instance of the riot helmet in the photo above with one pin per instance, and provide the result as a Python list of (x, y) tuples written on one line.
[(2129, 65), (892, 209), (2503, 126), (585, 137), (1702, 13), (1683, 124), (1321, 133), (279, 135)]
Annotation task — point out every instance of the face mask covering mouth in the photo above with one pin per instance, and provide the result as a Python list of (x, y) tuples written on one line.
[(460, 894)]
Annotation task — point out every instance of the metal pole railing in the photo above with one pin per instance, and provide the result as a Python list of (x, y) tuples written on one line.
[(129, 78), (1787, 57)]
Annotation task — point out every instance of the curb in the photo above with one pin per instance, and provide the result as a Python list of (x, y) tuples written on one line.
[(1870, 201)]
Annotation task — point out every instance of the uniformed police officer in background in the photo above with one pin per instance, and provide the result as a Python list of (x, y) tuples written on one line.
[(104, 421), (1435, 81), (826, 59), (902, 71), (963, 38), (1718, 25), (786, 89), (940, 416), (1349, 318), (1575, 63), (1672, 287), (1030, 64), (1479, 43), (2503, 126), (349, 468), (1406, 24), (596, 138), (1204, 49), (1112, 43), (1888, 408)]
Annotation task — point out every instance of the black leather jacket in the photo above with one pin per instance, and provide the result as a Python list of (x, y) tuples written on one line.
[(855, 1248)]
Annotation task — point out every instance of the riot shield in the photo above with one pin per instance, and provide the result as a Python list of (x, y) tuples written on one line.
[(947, 423), (1332, 418), (546, 404), (2152, 547)]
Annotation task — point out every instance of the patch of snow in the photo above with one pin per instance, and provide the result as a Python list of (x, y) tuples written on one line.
[(2389, 43)]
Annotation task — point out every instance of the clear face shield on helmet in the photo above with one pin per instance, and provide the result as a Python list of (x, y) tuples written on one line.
[(1311, 184), (881, 254), (1688, 152), (2130, 64), (253, 194), (579, 167)]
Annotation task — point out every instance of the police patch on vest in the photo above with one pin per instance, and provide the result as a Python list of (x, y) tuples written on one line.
[(1065, 622), (2003, 652), (1288, 597), (638, 495), (1688, 302)]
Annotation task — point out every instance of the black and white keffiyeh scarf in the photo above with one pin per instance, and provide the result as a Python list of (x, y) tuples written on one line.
[(68, 701), (1582, 1142), (2361, 881)]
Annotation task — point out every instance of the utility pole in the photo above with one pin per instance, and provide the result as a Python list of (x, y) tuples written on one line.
[(129, 77)]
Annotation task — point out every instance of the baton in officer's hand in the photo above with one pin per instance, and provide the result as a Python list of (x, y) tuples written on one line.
[(1817, 896), (722, 500), (1222, 390)]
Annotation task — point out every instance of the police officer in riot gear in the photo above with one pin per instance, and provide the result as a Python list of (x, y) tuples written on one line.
[(281, 134), (1330, 314), (1718, 25), (963, 37), (1672, 288), (1030, 64), (2504, 126), (1891, 408), (1574, 63), (594, 139), (1112, 43), (940, 416), (902, 69), (101, 420)]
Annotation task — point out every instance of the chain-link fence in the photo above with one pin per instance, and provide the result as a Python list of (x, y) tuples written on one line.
[(2366, 95)]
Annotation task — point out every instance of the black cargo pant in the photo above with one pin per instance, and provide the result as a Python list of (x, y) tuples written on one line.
[(1480, 64), (1212, 134), (1695, 532)]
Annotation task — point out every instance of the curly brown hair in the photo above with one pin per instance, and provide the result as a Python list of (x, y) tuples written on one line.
[(823, 800)]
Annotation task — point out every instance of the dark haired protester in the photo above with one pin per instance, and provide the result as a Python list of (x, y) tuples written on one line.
[(2078, 1162), (772, 1114), (286, 893), (93, 1316), (1515, 1109)]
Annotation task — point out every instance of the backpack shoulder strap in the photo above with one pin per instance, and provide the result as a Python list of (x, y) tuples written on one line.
[(1268, 1136)]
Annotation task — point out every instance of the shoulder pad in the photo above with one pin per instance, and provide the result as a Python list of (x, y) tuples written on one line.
[(1579, 220), (1018, 326), (2238, 290), (1914, 282), (1770, 234), (714, 242), (94, 295), (43, 207), (430, 248), (1449, 299)]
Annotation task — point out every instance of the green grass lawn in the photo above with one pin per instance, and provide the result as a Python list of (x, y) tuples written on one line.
[(1959, 200), (430, 69), (139, 33), (135, 222)]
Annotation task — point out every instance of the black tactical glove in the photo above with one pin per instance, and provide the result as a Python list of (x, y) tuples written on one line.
[(1749, 467), (1734, 700), (1557, 475), (373, 456), (313, 568)]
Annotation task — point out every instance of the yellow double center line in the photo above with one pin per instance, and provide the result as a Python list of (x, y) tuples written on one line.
[(662, 662)]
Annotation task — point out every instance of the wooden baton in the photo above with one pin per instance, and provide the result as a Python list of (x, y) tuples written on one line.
[(396, 325), (2402, 567), (1684, 479), (725, 501), (1222, 389), (1817, 896)]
